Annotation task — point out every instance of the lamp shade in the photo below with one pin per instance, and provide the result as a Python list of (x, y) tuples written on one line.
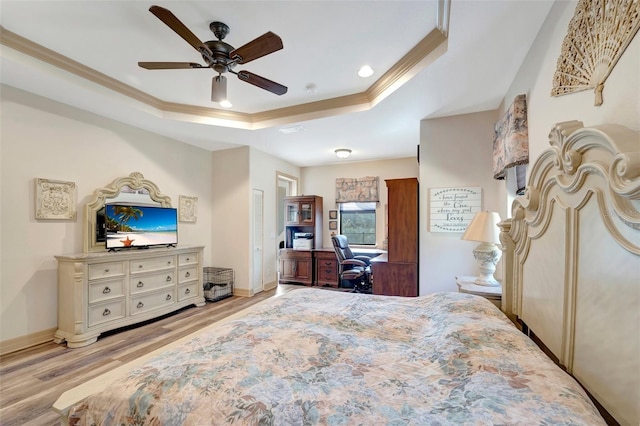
[(483, 228), (219, 88)]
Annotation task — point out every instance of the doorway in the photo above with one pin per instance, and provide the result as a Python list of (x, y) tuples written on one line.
[(286, 185), (257, 281)]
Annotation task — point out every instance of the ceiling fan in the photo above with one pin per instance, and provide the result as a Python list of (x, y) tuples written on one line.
[(220, 56)]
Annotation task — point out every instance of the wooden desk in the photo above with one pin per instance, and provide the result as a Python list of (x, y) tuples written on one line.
[(394, 278)]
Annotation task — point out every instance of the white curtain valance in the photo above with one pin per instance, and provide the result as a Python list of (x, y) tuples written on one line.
[(350, 190)]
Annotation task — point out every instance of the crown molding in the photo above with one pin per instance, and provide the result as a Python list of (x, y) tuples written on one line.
[(428, 49)]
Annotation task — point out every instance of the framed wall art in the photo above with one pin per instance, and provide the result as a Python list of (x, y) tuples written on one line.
[(451, 209), (333, 214), (55, 199), (333, 225), (188, 209)]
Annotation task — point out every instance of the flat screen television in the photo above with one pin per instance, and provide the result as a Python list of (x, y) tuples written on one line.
[(130, 226)]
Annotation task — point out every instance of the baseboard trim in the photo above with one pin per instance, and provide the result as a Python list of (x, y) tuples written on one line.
[(23, 342)]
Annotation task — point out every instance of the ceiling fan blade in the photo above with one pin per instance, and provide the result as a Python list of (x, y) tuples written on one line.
[(169, 65), (262, 82), (263, 45), (176, 25)]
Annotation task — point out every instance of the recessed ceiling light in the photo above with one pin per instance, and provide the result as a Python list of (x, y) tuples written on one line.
[(225, 104), (365, 71), (311, 88)]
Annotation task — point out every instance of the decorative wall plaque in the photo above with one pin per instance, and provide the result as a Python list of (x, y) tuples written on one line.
[(55, 199), (188, 209), (452, 209), (598, 35)]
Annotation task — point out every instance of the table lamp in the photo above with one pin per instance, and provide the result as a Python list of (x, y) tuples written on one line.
[(484, 228)]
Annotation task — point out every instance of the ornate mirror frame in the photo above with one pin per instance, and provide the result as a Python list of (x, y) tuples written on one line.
[(141, 191)]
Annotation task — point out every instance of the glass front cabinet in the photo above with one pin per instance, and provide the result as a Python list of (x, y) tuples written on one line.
[(300, 213), (303, 215)]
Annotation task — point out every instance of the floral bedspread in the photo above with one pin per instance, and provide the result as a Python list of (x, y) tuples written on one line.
[(314, 357)]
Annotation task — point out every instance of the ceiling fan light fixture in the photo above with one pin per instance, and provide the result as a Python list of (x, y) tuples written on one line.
[(343, 152), (219, 88)]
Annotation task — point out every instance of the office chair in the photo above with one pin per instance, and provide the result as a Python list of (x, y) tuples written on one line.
[(354, 269)]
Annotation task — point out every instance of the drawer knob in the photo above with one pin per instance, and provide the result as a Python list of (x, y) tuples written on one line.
[(139, 266), (169, 278), (106, 271), (188, 259), (187, 291), (106, 312), (169, 262), (140, 284), (140, 305), (187, 275), (106, 290), (168, 297)]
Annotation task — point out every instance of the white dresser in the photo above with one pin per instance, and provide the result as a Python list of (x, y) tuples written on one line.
[(103, 291)]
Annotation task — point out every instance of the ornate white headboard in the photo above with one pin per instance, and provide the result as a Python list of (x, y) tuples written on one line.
[(572, 260)]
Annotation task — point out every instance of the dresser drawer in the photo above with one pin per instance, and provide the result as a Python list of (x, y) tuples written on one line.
[(327, 274), (187, 291), (141, 304), (187, 274), (105, 270), (106, 289), (105, 312), (143, 283), (187, 259), (146, 265)]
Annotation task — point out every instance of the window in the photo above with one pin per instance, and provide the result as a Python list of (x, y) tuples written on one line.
[(358, 222)]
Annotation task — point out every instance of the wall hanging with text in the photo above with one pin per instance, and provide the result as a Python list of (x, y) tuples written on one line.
[(451, 209)]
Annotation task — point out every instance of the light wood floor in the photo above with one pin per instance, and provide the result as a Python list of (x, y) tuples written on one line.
[(31, 380)]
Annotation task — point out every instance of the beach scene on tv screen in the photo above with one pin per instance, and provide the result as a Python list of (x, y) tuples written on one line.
[(135, 226)]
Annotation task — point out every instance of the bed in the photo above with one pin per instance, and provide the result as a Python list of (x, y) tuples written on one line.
[(314, 356)]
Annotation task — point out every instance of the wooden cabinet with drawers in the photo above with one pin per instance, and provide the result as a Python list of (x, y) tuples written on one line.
[(98, 292), (326, 264), (309, 267), (296, 266)]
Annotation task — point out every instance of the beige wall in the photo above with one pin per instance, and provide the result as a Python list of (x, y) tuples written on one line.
[(321, 181), (454, 151), (44, 139)]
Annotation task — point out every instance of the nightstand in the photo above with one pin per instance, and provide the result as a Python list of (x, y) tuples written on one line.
[(494, 294)]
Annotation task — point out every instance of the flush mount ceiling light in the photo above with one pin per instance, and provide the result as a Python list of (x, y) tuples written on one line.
[(343, 152), (365, 71)]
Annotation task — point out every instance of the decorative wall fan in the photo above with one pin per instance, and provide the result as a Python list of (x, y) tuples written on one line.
[(598, 35), (220, 56)]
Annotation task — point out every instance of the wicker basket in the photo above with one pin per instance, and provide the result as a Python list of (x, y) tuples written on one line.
[(218, 283)]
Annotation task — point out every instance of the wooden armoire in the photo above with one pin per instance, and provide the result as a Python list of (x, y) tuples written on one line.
[(396, 273)]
